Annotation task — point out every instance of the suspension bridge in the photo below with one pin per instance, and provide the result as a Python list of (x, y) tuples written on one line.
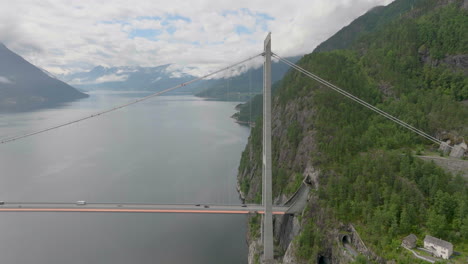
[(266, 209), (82, 206)]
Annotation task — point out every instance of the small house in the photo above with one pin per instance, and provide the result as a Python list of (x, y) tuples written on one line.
[(439, 248), (409, 241)]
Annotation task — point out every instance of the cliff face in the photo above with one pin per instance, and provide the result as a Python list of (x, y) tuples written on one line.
[(293, 145), (360, 166)]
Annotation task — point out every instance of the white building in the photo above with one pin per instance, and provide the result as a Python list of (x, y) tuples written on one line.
[(438, 247)]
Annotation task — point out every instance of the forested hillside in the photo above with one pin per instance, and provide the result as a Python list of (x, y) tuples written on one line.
[(373, 20), (414, 67)]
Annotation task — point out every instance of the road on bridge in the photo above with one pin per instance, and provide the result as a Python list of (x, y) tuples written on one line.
[(137, 208)]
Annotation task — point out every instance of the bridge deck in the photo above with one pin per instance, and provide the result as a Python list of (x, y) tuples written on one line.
[(138, 208)]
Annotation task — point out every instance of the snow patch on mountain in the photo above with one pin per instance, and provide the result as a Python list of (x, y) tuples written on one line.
[(5, 80), (111, 78)]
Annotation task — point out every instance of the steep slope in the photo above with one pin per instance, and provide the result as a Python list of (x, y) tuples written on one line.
[(24, 86), (373, 20), (362, 167)]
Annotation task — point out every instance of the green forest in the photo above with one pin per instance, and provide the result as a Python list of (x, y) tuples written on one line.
[(371, 176)]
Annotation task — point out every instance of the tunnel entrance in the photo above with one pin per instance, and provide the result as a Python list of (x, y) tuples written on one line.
[(323, 260), (346, 240)]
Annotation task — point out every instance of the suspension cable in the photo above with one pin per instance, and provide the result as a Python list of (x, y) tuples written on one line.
[(360, 101), (11, 139), (250, 99)]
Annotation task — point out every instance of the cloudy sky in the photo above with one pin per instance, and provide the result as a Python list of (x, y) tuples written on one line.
[(64, 36)]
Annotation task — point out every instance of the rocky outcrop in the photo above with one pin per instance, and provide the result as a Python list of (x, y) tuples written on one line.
[(340, 243), (445, 147), (386, 89), (290, 255), (457, 62), (288, 227), (293, 158), (255, 251), (452, 165), (361, 247), (294, 113), (458, 150)]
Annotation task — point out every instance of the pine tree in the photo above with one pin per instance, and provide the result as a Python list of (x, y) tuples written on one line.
[(405, 222), (436, 224)]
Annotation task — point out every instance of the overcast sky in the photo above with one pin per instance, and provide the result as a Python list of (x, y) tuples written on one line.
[(65, 36)]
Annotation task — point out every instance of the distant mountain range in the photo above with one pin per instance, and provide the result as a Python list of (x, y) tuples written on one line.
[(131, 78), (25, 87), (246, 85), (238, 88)]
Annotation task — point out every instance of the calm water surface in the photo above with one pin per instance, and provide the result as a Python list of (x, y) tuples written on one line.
[(170, 149)]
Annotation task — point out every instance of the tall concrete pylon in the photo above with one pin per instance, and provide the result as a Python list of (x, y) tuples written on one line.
[(267, 232)]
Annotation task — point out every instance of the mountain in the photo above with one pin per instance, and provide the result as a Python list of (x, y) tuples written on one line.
[(239, 88), (245, 85), (370, 186), (24, 87), (131, 78), (373, 20)]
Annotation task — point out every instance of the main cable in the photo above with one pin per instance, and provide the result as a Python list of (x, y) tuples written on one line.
[(4, 141), (360, 101)]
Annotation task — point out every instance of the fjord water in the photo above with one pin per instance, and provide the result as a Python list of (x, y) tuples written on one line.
[(170, 149)]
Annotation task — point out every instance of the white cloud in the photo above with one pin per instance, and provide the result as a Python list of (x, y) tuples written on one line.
[(111, 78), (157, 79), (5, 80), (102, 79), (67, 36)]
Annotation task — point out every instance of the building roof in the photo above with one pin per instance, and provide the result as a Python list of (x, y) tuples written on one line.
[(411, 238), (438, 242)]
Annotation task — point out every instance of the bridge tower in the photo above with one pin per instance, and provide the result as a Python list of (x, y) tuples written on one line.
[(267, 232)]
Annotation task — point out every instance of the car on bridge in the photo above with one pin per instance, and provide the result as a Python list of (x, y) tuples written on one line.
[(80, 202)]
